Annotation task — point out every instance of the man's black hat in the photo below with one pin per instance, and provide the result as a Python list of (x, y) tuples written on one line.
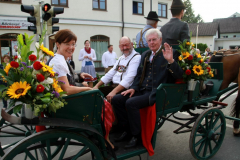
[(177, 4), (152, 15)]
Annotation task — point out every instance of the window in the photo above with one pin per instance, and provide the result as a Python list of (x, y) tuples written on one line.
[(60, 3), (138, 7), (11, 1), (219, 48), (225, 36), (234, 36), (162, 10), (99, 4)]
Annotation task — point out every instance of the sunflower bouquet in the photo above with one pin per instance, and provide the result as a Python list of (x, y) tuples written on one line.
[(30, 81), (193, 64)]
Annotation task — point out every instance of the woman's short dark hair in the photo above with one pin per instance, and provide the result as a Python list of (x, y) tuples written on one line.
[(6, 56), (86, 41), (65, 36)]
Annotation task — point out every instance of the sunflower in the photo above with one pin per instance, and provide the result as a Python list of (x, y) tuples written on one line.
[(185, 55), (18, 89), (45, 50), (56, 86), (46, 68), (6, 69), (198, 70)]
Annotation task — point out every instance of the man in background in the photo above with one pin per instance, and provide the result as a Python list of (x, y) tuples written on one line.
[(109, 58), (152, 21), (175, 30)]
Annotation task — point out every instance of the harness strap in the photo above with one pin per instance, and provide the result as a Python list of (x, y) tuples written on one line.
[(141, 39)]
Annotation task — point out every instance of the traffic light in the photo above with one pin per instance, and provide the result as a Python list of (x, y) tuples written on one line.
[(49, 14), (34, 11)]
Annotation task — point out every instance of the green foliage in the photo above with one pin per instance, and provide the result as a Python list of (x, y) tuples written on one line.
[(189, 15), (201, 46)]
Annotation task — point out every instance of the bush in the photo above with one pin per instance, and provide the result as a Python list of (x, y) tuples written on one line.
[(201, 47)]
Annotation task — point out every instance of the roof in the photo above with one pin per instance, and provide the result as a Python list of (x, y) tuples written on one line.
[(229, 25), (204, 29)]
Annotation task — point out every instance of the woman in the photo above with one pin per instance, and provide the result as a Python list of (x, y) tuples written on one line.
[(87, 56), (6, 59), (66, 43)]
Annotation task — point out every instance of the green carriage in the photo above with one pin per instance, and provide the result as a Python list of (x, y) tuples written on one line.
[(75, 131)]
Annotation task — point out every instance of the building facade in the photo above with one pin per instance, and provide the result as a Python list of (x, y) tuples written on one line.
[(103, 22)]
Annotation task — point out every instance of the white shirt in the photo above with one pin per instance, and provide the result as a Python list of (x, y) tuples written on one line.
[(83, 53), (128, 76), (151, 56), (59, 65), (108, 59)]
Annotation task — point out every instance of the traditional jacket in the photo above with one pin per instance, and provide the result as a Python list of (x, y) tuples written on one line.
[(160, 70), (173, 31)]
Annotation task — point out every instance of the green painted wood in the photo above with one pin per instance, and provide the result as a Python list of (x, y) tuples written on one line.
[(141, 50)]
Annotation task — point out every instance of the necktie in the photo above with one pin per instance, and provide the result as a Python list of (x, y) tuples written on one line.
[(153, 56)]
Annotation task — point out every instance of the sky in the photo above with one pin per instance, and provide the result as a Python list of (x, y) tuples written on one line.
[(212, 9)]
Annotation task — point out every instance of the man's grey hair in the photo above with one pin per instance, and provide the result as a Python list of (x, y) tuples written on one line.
[(153, 31), (150, 22)]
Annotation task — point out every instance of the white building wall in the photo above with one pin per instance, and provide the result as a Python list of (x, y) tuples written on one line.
[(225, 43), (209, 40), (86, 22)]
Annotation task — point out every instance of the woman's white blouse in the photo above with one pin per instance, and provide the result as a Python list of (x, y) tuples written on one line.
[(59, 65), (83, 53)]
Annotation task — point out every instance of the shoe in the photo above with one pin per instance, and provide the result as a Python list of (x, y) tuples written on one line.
[(236, 131), (124, 136), (132, 143)]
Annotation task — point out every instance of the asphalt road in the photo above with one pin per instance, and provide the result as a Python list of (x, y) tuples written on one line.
[(171, 146)]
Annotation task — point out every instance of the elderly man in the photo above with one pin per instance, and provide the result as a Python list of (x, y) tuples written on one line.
[(123, 72), (109, 58), (175, 30), (158, 65), (152, 21)]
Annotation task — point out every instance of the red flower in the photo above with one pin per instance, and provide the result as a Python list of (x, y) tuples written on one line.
[(32, 57), (15, 57), (40, 77), (188, 72), (37, 65), (190, 57), (40, 88), (209, 69), (14, 64)]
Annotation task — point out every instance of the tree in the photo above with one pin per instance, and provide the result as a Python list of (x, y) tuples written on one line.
[(189, 15)]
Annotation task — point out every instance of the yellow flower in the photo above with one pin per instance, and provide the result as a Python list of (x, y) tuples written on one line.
[(198, 70), (185, 55), (198, 55), (212, 75), (18, 89), (201, 60), (56, 86), (45, 50), (180, 58), (193, 45), (188, 43), (47, 68), (6, 69)]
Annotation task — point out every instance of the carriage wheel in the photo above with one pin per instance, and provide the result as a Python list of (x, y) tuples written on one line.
[(207, 134), (16, 133), (40, 146), (160, 123)]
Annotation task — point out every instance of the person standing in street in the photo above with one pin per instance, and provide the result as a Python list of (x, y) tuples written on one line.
[(175, 30), (152, 21), (109, 58), (87, 55)]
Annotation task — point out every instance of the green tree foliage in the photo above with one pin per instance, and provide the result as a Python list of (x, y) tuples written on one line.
[(201, 47), (189, 15)]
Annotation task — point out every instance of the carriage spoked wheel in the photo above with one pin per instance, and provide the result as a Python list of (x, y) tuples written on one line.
[(41, 145), (160, 122), (15, 133), (207, 134)]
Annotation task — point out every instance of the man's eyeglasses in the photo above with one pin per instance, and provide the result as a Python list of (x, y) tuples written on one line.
[(153, 40), (70, 45)]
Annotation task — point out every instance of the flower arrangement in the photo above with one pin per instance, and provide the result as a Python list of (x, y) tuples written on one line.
[(30, 81), (193, 64)]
